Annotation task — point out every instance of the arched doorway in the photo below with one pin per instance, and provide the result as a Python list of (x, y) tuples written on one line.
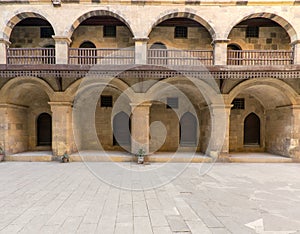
[(188, 130), (234, 54), (233, 47), (121, 130), (87, 54), (87, 44), (158, 45), (44, 130), (252, 130), (158, 50)]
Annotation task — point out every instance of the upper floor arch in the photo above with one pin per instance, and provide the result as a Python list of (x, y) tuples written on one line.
[(117, 15), (285, 24), (181, 14), (271, 92), (17, 18)]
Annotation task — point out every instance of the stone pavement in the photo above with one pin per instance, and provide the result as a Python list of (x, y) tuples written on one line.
[(53, 197)]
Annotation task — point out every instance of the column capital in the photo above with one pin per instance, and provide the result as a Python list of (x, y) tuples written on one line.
[(145, 39), (62, 39), (223, 41), (5, 41), (295, 42), (220, 106), (60, 103)]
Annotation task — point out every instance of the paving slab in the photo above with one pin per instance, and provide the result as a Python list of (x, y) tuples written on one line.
[(52, 197)]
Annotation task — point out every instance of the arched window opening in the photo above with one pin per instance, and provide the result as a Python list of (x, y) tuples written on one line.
[(158, 51), (44, 130), (252, 130)]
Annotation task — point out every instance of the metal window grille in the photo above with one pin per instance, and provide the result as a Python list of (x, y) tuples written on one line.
[(238, 104), (252, 32), (109, 31), (46, 32), (106, 101), (181, 32)]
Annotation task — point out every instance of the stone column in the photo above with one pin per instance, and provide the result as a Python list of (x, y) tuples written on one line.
[(220, 51), (62, 135), (61, 49), (141, 50), (294, 150), (140, 129), (296, 51), (3, 50), (219, 144)]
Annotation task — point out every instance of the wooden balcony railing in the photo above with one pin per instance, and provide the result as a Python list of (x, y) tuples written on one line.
[(165, 57), (31, 55), (101, 56), (161, 57), (259, 57)]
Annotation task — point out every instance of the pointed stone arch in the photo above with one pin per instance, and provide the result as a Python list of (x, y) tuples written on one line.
[(252, 129), (44, 129)]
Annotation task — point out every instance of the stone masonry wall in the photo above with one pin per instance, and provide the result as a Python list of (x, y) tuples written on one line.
[(94, 34), (278, 131), (237, 118), (198, 38), (28, 37), (270, 38), (169, 119)]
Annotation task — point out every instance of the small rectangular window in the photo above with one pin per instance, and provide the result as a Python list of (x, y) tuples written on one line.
[(106, 101), (109, 31), (252, 32), (172, 103), (181, 32), (238, 104), (46, 32)]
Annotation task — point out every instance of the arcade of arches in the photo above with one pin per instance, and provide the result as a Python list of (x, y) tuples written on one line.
[(247, 106), (35, 117)]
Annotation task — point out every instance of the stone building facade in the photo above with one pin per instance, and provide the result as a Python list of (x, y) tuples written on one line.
[(212, 76)]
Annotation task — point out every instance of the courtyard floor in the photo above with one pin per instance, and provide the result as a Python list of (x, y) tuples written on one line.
[(53, 197)]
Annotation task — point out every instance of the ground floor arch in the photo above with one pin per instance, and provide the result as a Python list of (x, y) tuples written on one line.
[(261, 117), (26, 104)]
